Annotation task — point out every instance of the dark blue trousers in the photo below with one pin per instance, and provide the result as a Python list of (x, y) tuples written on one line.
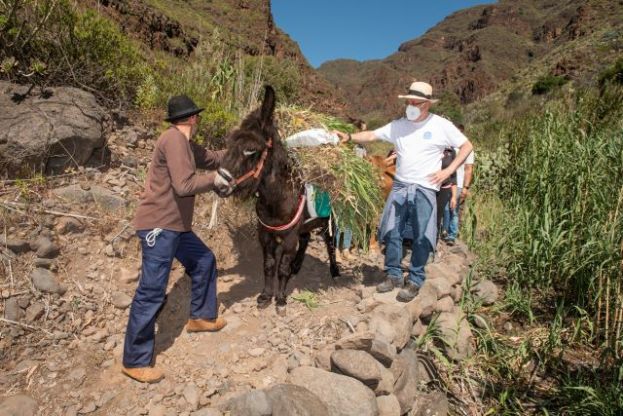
[(200, 265)]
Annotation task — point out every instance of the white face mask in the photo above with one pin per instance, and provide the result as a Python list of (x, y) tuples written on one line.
[(413, 112)]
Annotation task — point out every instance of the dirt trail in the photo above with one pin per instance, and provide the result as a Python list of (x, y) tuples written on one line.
[(82, 374), (68, 283)]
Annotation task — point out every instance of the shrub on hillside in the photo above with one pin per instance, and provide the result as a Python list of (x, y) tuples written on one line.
[(565, 189), (449, 106), (613, 74), (548, 83), (513, 98), (54, 43), (282, 75), (207, 77)]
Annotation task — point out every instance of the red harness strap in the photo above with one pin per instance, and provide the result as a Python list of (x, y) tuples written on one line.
[(297, 217), (255, 173)]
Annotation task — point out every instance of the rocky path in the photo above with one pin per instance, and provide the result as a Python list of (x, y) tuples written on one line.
[(341, 349), (78, 371)]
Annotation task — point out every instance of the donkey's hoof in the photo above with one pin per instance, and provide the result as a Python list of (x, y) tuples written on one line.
[(335, 273), (264, 301), (281, 310)]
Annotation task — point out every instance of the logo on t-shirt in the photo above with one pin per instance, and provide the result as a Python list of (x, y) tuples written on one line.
[(428, 135)]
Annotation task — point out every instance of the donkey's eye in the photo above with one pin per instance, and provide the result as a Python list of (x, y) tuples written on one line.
[(248, 153)]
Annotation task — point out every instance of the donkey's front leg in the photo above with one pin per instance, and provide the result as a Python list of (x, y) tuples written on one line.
[(284, 272), (270, 262)]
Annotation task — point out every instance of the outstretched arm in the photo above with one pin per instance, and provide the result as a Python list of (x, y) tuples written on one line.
[(361, 137)]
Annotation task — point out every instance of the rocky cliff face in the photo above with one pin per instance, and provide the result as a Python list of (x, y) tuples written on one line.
[(178, 27), (472, 51)]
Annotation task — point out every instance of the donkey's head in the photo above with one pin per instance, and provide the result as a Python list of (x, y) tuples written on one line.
[(249, 148)]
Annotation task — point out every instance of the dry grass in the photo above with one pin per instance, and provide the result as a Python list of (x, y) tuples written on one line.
[(351, 181)]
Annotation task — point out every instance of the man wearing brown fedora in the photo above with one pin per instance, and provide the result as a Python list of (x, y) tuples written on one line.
[(163, 222), (419, 139)]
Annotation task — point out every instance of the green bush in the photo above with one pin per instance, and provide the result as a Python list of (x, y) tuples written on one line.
[(613, 74), (106, 58), (548, 83), (216, 122), (564, 188), (282, 75), (549, 218), (54, 43), (513, 98), (449, 106)]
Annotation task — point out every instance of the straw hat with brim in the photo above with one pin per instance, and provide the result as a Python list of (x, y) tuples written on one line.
[(420, 91), (181, 107)]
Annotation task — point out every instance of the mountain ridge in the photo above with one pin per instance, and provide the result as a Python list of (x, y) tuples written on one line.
[(471, 52)]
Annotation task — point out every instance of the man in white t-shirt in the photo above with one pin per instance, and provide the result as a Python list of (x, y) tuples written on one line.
[(419, 140)]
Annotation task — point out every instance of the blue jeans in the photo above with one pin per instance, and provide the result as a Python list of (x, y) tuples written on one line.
[(347, 237), (200, 265), (451, 219), (417, 213)]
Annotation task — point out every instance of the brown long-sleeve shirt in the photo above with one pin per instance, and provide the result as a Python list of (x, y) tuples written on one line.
[(168, 200)]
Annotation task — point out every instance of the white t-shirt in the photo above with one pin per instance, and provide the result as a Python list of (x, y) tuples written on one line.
[(420, 146), (460, 171)]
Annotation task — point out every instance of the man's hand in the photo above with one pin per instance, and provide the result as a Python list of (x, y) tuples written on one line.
[(452, 204), (224, 183), (440, 176), (464, 195), (344, 137), (391, 159)]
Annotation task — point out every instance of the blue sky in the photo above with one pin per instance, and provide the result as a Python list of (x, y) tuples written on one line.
[(359, 29)]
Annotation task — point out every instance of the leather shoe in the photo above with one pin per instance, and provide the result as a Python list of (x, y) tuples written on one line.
[(389, 284), (143, 374), (409, 292), (205, 325)]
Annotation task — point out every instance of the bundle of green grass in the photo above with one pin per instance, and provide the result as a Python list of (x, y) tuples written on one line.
[(352, 182)]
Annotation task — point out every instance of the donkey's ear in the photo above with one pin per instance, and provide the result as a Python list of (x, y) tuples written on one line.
[(268, 106)]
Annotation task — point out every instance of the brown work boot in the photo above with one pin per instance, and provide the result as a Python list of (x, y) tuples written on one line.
[(202, 325), (143, 374)]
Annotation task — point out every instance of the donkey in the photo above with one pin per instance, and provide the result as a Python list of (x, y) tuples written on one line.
[(258, 161)]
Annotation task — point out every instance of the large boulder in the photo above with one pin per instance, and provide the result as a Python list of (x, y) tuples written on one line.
[(388, 405), (356, 342), (252, 403), (291, 400), (344, 396), (47, 132), (456, 334), (443, 271), (424, 303), (487, 292), (408, 374), (357, 364), (383, 351), (392, 323)]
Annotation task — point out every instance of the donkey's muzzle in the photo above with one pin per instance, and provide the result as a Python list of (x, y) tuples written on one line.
[(227, 176)]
